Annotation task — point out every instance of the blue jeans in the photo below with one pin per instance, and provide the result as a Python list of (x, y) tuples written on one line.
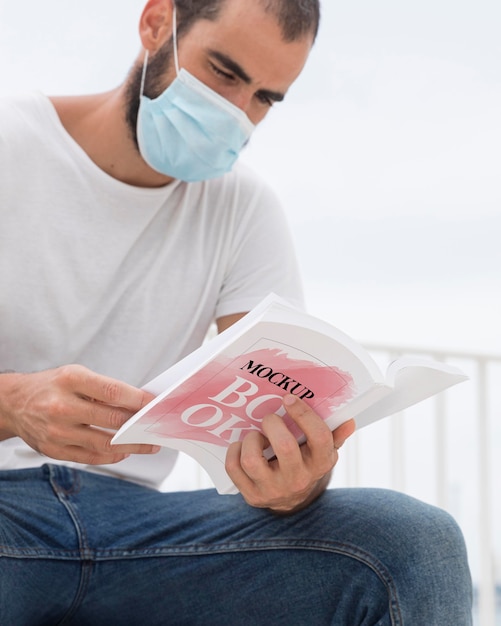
[(82, 549)]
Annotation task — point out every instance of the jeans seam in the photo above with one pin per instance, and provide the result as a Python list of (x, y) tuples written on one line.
[(344, 549), (85, 555), (347, 550)]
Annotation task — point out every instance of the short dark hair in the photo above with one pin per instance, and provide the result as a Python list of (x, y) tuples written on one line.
[(297, 18)]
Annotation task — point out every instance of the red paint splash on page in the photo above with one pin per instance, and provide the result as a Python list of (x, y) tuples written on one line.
[(228, 398)]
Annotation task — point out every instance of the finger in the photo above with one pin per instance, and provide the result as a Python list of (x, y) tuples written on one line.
[(235, 471), (75, 410), (94, 440), (252, 460), (260, 482), (99, 441), (319, 443), (103, 388), (285, 446), (85, 456), (81, 448), (124, 452), (343, 432), (101, 415)]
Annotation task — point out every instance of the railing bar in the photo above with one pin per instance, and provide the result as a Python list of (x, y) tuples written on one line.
[(397, 442), (487, 600), (352, 459), (441, 450)]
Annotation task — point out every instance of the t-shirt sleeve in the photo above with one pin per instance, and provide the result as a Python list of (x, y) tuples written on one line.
[(262, 258)]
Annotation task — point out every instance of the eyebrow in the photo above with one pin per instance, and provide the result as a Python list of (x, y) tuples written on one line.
[(238, 70)]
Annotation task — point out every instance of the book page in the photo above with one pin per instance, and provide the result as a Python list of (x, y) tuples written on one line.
[(412, 380)]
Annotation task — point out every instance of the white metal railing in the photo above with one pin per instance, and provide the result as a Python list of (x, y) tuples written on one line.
[(444, 451), (472, 410)]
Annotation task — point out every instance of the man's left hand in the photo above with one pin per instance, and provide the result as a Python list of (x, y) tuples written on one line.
[(297, 474)]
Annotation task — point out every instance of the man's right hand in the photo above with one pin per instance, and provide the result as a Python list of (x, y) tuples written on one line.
[(70, 413)]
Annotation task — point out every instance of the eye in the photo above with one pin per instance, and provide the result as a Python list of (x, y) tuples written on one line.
[(265, 99), (219, 72)]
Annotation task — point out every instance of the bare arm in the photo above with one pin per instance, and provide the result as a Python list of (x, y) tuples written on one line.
[(69, 413), (228, 320)]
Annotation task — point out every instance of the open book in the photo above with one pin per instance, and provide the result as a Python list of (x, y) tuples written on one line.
[(220, 392)]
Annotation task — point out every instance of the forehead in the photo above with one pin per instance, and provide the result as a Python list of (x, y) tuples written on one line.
[(252, 37)]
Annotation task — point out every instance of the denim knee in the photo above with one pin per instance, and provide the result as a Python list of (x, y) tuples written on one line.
[(422, 549)]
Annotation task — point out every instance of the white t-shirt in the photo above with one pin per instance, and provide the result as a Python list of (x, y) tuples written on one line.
[(121, 279)]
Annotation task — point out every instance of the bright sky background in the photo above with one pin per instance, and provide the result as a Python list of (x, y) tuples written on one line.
[(386, 153)]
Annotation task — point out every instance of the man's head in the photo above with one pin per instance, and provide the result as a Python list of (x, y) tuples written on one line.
[(248, 52)]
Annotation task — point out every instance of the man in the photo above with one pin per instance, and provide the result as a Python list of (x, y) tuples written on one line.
[(125, 230)]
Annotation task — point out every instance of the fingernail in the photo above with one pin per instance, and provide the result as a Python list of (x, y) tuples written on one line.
[(155, 449), (289, 399)]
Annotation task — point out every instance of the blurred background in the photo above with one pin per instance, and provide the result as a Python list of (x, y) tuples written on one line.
[(386, 155)]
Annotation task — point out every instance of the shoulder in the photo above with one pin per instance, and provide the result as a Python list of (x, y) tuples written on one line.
[(248, 181), (242, 190), (24, 116), (25, 106)]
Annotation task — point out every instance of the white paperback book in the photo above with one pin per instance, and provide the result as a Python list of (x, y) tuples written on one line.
[(221, 391)]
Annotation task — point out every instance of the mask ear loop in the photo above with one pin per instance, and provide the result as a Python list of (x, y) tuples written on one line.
[(174, 37), (143, 75)]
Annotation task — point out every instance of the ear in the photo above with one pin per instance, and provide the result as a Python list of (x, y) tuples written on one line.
[(155, 25)]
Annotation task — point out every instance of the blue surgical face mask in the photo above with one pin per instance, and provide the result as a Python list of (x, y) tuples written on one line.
[(190, 132)]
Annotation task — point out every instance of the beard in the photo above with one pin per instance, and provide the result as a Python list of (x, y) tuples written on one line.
[(159, 66)]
